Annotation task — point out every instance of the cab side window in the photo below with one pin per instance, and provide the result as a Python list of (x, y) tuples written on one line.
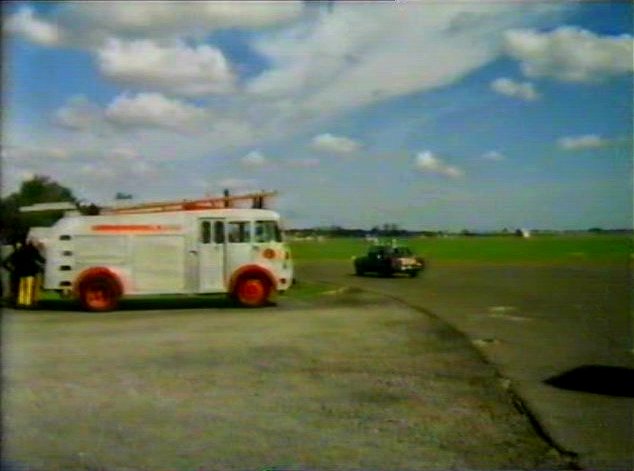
[(205, 232), (219, 232), (212, 233)]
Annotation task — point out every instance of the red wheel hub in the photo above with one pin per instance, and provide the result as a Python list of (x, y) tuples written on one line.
[(252, 292), (98, 293), (97, 297)]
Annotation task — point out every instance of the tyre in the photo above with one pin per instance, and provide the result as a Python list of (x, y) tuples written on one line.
[(99, 294), (413, 273), (358, 271), (252, 291)]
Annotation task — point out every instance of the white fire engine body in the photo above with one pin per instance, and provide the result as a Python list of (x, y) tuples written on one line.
[(101, 258)]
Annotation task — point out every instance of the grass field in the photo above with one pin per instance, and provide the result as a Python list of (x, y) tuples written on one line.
[(542, 248), (376, 387)]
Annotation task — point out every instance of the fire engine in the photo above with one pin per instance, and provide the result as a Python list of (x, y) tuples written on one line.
[(209, 245)]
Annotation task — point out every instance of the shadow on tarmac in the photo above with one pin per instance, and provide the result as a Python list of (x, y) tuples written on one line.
[(145, 304), (597, 379)]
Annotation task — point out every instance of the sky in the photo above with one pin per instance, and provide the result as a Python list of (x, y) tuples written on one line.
[(432, 115)]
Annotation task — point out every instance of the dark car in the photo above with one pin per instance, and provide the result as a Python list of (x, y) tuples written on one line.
[(387, 260)]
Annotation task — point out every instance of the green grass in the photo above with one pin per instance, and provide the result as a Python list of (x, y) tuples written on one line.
[(370, 388), (590, 248)]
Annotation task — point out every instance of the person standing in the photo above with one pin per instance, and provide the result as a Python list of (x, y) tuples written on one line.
[(24, 265), (10, 265)]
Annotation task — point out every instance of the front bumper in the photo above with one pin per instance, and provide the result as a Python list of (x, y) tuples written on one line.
[(408, 265)]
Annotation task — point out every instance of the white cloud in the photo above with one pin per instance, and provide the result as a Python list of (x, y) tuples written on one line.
[(87, 25), (254, 158), (124, 154), (570, 54), (427, 162), (155, 110), (120, 168), (336, 144), (143, 169), (79, 113), (31, 154), (58, 153), (494, 156), (177, 68), (24, 23), (26, 175), (325, 63), (97, 171), (308, 162), (522, 90), (172, 18), (353, 56), (140, 121), (588, 141)]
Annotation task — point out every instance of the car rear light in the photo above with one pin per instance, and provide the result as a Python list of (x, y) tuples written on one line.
[(268, 253)]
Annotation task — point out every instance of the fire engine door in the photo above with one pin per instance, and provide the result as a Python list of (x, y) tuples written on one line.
[(211, 255)]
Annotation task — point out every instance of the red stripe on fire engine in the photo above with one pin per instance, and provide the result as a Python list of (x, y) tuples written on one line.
[(135, 228)]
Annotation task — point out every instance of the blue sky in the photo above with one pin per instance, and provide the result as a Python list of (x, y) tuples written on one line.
[(429, 115)]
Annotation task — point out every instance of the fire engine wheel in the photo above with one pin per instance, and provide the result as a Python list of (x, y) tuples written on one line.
[(252, 291), (99, 294)]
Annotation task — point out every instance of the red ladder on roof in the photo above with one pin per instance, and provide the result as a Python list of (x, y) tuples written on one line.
[(219, 202)]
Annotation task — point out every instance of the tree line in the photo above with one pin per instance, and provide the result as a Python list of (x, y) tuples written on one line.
[(14, 225)]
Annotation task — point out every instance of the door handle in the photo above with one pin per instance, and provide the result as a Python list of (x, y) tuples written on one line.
[(193, 252)]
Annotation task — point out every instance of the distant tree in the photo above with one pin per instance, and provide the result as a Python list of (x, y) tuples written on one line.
[(390, 229), (595, 230), (42, 189), (14, 225)]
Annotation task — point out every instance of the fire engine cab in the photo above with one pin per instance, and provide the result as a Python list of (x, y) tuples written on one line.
[(187, 247)]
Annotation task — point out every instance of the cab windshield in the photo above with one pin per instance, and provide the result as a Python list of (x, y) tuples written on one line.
[(267, 231)]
